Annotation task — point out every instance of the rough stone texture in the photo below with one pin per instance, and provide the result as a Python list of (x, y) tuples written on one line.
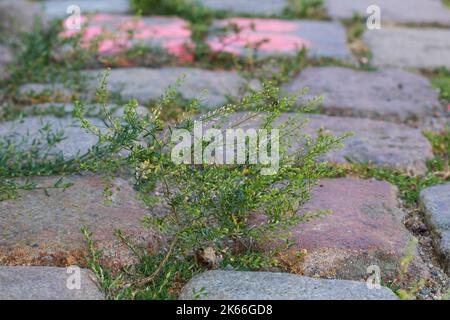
[(386, 94), (380, 143), (232, 285), (409, 47), (253, 7), (46, 226), (77, 141), (281, 37), (150, 84), (45, 283), (6, 57), (54, 92), (18, 16), (364, 228), (58, 8), (435, 202), (115, 34), (403, 11)]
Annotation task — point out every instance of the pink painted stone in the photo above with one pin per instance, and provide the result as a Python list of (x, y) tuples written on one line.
[(279, 37), (264, 34), (115, 34), (364, 228)]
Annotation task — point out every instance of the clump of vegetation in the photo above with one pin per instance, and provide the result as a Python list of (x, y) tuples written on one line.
[(440, 142), (190, 10), (355, 30), (441, 81), (207, 205), (36, 57), (312, 9)]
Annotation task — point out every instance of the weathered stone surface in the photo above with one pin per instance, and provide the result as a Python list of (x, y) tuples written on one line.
[(409, 47), (435, 202), (150, 84), (389, 94), (6, 57), (47, 225), (45, 283), (281, 37), (403, 11), (114, 34), (256, 7), (58, 8), (76, 142), (54, 92), (232, 285), (364, 228), (18, 16), (381, 143)]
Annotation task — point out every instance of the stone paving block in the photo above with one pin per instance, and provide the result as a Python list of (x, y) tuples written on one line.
[(46, 283), (387, 94), (280, 38), (147, 84), (245, 285), (54, 92), (252, 7), (58, 8), (18, 16), (47, 226), (114, 34), (401, 11), (76, 140), (363, 228), (409, 47), (435, 202)]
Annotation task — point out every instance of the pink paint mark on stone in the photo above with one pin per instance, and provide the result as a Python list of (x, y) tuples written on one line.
[(268, 35), (174, 30), (102, 17), (115, 34), (111, 47), (92, 33), (263, 25), (180, 49)]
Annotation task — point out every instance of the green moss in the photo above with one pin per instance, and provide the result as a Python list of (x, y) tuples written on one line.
[(441, 81), (355, 29), (190, 10), (306, 9)]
